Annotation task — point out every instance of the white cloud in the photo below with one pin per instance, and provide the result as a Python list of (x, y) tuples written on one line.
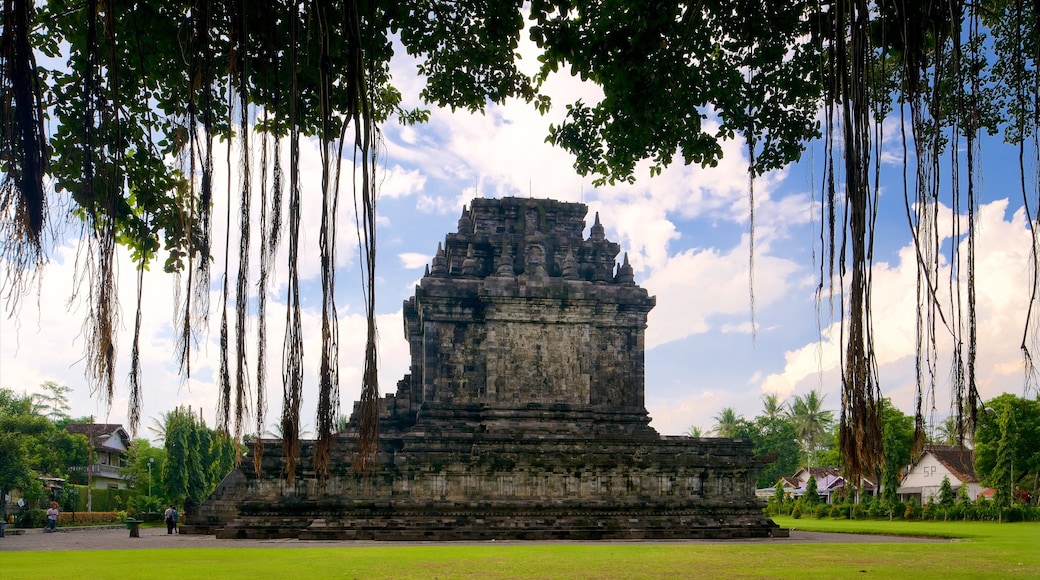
[(1001, 275), (411, 260), (398, 182), (696, 285)]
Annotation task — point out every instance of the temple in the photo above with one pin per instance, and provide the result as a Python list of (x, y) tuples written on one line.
[(522, 415)]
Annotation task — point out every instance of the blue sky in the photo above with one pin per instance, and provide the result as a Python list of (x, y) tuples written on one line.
[(686, 234)]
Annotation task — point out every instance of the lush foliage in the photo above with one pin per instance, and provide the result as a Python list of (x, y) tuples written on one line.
[(31, 445), (17, 425), (775, 435), (898, 439), (872, 508), (1007, 445), (196, 458), (811, 421)]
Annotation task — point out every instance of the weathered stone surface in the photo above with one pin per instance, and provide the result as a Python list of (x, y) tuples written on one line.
[(522, 415)]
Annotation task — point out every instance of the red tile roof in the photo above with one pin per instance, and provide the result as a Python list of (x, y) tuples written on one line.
[(959, 460)]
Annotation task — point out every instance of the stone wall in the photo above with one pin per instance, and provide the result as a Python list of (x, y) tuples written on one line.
[(522, 415), (481, 487)]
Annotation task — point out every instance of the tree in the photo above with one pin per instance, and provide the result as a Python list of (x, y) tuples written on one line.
[(946, 496), (729, 424), (136, 469), (182, 472), (898, 441), (18, 424), (1001, 476), (775, 436), (222, 459), (694, 431), (54, 400), (772, 407), (1013, 422), (60, 453), (811, 421), (946, 432), (125, 131), (812, 493), (196, 457)]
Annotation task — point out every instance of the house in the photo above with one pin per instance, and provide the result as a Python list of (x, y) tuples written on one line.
[(829, 483), (109, 443), (925, 476)]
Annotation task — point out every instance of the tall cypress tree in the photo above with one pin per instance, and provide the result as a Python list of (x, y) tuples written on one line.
[(178, 448), (1001, 478)]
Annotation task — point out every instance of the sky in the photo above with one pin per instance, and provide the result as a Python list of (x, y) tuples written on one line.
[(686, 233)]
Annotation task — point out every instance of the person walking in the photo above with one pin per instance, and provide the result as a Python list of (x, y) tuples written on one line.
[(52, 516), (170, 517)]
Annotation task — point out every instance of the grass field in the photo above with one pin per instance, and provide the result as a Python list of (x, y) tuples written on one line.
[(981, 550)]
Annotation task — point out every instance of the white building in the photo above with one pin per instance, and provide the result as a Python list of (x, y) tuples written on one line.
[(936, 462), (109, 443)]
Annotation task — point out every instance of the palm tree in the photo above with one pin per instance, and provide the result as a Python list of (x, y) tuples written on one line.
[(772, 408), (945, 432), (694, 431), (158, 426), (275, 431), (811, 422), (727, 423)]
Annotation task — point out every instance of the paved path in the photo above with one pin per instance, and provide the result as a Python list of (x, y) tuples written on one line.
[(118, 538)]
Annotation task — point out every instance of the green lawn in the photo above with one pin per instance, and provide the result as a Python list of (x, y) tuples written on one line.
[(982, 550)]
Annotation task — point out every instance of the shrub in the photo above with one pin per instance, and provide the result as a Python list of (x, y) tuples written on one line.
[(796, 512), (89, 518), (911, 512), (859, 511), (31, 518), (841, 510)]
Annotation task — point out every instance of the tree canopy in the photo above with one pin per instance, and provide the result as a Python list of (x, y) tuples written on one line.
[(1007, 444), (122, 129), (32, 445)]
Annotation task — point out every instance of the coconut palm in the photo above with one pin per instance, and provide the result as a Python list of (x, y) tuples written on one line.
[(811, 421), (158, 426), (772, 407), (727, 423), (694, 431), (946, 432)]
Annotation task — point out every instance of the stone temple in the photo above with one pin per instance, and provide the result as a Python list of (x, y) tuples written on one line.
[(522, 416)]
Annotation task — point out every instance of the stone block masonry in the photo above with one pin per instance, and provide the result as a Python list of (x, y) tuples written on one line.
[(522, 416)]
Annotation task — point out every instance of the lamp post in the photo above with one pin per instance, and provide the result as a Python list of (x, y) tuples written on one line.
[(151, 460)]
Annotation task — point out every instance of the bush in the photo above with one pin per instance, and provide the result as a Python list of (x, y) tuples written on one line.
[(911, 511), (859, 511), (840, 511), (85, 518), (796, 512), (31, 518), (102, 500)]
